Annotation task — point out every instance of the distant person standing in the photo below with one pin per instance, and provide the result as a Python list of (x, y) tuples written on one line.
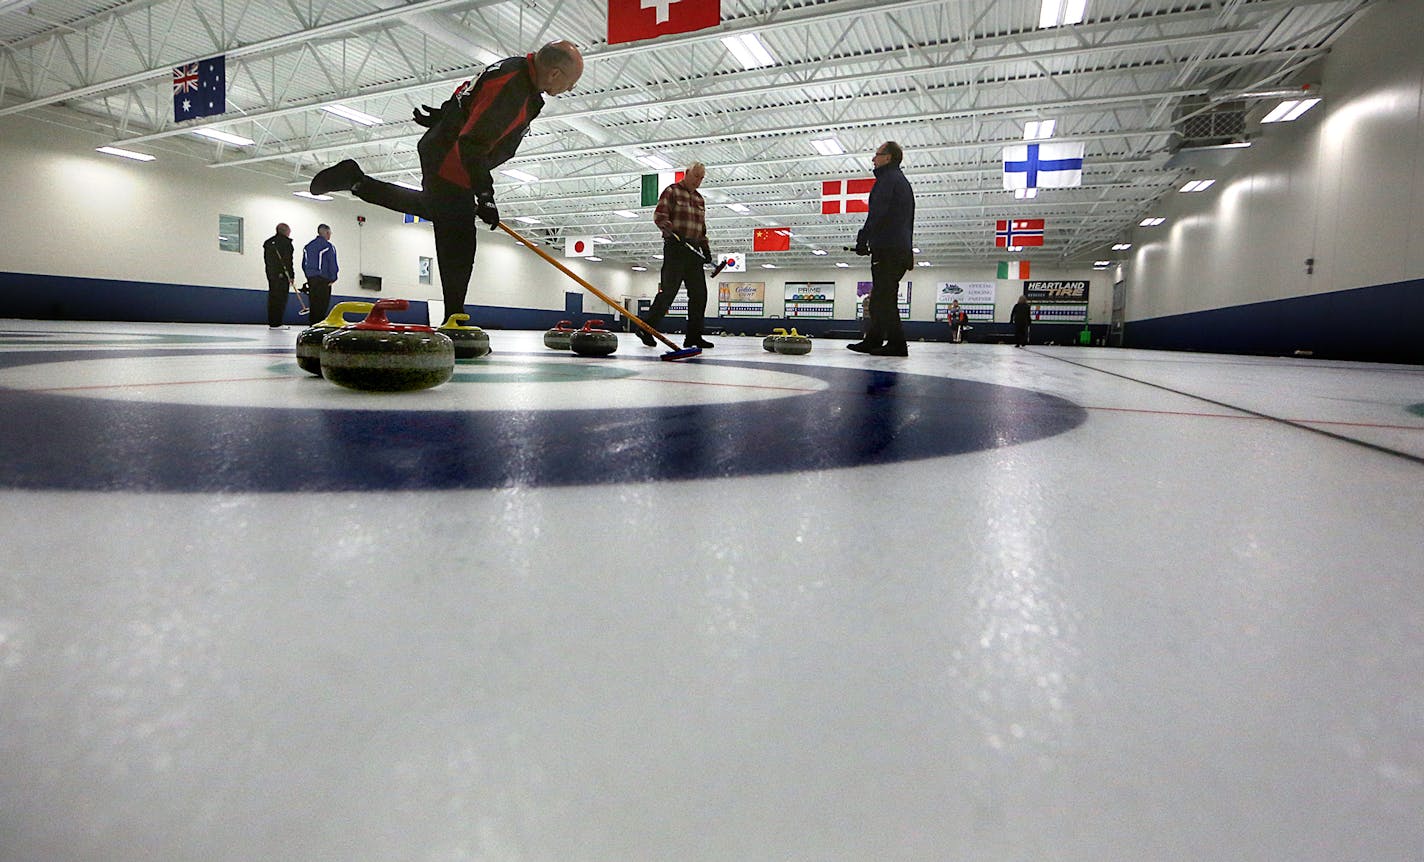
[(277, 259), (1019, 317), (957, 319), (887, 238), (681, 215), (319, 266)]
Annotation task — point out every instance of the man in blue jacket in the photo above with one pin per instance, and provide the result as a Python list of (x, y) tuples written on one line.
[(888, 237), (319, 266)]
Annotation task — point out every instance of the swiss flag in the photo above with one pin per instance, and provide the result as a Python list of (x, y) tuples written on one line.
[(771, 239), (632, 20), (846, 196)]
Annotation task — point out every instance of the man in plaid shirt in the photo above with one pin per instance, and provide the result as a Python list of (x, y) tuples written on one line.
[(681, 215)]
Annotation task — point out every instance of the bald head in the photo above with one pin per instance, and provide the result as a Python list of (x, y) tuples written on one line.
[(558, 66)]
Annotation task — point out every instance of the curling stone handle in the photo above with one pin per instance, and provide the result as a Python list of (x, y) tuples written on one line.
[(588, 325), (455, 320), (377, 317), (337, 317)]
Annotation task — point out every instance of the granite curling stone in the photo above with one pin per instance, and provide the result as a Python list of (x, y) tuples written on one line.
[(793, 344), (558, 337), (471, 342), (377, 355), (309, 340), (593, 342), (769, 343)]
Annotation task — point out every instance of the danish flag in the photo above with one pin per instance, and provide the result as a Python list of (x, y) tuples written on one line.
[(849, 196)]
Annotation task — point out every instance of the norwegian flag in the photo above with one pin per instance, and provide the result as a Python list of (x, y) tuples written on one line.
[(1018, 232), (846, 196)]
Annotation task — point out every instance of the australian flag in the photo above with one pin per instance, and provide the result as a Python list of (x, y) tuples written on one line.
[(200, 89)]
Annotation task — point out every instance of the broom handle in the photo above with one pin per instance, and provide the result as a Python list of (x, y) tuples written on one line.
[(590, 288)]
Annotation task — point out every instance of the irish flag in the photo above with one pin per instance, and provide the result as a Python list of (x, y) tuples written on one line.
[(1013, 269), (653, 185)]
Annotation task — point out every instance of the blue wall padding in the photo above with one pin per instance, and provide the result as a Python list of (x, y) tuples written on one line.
[(1375, 324)]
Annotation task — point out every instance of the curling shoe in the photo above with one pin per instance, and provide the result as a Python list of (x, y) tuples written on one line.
[(340, 177), (862, 347), (645, 338), (701, 342), (890, 350)]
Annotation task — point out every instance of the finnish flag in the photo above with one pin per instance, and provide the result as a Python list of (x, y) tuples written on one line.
[(1043, 166)]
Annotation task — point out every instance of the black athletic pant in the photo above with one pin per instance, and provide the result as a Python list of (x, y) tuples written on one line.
[(681, 265), (1020, 334), (452, 213), (277, 289), (886, 270), (319, 298)]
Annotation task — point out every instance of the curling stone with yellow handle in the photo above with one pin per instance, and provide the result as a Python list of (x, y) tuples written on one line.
[(769, 343), (309, 340), (471, 342), (380, 356), (793, 344)]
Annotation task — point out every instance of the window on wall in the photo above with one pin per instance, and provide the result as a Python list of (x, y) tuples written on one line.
[(230, 233), (425, 277)]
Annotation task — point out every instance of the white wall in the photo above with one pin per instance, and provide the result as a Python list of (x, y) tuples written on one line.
[(1343, 185)]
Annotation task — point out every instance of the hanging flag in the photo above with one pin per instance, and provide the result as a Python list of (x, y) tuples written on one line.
[(200, 89), (578, 246), (771, 239), (631, 20), (653, 185), (1043, 166), (846, 196), (415, 219), (1013, 269), (1018, 232), (736, 262)]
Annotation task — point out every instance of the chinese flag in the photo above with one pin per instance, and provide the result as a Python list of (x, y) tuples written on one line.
[(771, 239), (632, 20)]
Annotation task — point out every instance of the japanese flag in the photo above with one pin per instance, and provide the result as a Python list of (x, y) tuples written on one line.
[(578, 246)]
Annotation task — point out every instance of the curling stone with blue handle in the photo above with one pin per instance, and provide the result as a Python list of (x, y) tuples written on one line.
[(793, 344), (558, 337), (309, 340), (769, 343), (380, 356), (593, 342), (471, 342)]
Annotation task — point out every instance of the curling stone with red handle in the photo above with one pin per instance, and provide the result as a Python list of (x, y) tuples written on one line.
[(309, 340), (558, 337), (591, 341), (380, 356), (471, 342)]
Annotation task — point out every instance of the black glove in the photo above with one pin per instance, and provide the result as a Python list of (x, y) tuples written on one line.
[(487, 211), (862, 249), (429, 118), (706, 253)]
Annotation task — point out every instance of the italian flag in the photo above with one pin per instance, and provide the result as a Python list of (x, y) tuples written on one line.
[(1013, 269), (653, 185)]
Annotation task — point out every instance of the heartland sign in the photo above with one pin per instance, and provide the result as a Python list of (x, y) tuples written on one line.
[(1056, 291)]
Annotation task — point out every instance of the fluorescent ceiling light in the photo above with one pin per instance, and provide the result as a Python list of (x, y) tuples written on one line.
[(768, 266), (1022, 194), (924, 263), (522, 176), (657, 163), (738, 208), (657, 257), (1015, 248), (749, 51), (487, 57), (1289, 110), (1151, 222), (640, 269), (311, 196), (818, 252), (1037, 130), (594, 259), (1122, 246), (225, 137), (625, 213), (353, 115), (128, 154), (829, 147), (601, 240), (842, 265), (405, 185), (1102, 264), (1198, 186), (527, 220), (1055, 13)]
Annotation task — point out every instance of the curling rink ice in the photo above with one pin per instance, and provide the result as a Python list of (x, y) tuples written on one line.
[(979, 603)]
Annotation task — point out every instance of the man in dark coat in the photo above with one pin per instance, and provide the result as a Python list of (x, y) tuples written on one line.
[(277, 260), (1019, 317), (888, 237)]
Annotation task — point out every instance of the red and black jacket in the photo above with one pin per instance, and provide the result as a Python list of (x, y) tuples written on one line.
[(481, 126)]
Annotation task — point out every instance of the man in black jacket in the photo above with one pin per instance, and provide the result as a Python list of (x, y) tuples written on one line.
[(277, 259), (476, 130), (888, 238)]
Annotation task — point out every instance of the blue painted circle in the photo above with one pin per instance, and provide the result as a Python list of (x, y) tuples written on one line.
[(862, 417)]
